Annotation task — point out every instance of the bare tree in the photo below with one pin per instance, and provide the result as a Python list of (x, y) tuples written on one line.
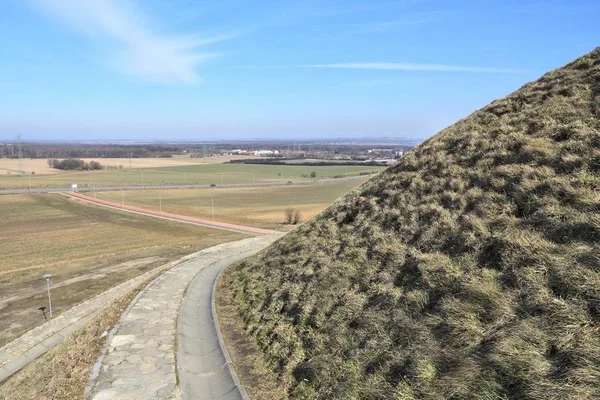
[(293, 216), (289, 216), (297, 217)]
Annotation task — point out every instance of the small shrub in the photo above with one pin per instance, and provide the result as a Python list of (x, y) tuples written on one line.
[(292, 216), (297, 217)]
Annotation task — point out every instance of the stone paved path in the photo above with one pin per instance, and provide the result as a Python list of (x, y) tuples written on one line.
[(141, 360), (36, 342)]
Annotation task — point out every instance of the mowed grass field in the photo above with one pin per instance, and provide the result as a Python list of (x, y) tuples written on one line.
[(193, 174), (10, 166), (87, 248), (262, 207)]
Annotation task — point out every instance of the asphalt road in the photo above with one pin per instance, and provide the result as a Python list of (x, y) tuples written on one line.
[(154, 187)]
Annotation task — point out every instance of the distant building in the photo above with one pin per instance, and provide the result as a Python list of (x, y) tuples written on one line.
[(266, 152)]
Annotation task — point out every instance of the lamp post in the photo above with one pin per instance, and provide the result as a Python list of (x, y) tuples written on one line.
[(47, 277)]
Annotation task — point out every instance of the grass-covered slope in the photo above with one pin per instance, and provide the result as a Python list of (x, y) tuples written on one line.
[(470, 270)]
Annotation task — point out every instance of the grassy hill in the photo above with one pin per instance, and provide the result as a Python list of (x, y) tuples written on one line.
[(470, 270)]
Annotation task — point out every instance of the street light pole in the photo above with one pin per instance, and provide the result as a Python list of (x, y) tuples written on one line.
[(48, 276)]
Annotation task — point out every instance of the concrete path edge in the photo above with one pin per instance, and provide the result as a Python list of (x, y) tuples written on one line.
[(230, 365)]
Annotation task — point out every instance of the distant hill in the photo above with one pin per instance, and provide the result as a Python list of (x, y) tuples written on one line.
[(470, 270)]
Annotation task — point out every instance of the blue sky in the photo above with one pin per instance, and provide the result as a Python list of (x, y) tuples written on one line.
[(185, 69)]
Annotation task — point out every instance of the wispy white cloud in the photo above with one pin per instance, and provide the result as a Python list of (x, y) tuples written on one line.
[(135, 48), (407, 19), (414, 67)]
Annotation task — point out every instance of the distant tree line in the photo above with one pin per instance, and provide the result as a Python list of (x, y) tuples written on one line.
[(60, 151), (75, 164)]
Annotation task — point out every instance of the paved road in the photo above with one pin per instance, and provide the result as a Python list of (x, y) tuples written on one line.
[(174, 217), (169, 335), (34, 190)]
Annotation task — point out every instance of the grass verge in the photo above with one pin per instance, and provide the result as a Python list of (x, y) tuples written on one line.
[(469, 270), (258, 380)]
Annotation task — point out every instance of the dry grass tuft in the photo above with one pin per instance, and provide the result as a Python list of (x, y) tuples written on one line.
[(470, 270)]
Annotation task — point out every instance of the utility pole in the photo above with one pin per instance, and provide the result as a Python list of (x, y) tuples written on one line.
[(185, 178), (30, 183), (90, 178), (48, 276), (20, 155)]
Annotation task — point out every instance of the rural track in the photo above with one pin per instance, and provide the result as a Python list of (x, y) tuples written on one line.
[(168, 345), (173, 217), (86, 189)]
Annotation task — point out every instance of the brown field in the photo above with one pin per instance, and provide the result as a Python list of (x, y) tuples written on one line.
[(63, 372), (87, 248), (261, 207), (40, 166)]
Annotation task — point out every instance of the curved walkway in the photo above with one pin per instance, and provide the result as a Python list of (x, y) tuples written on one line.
[(203, 364), (174, 217), (152, 350)]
